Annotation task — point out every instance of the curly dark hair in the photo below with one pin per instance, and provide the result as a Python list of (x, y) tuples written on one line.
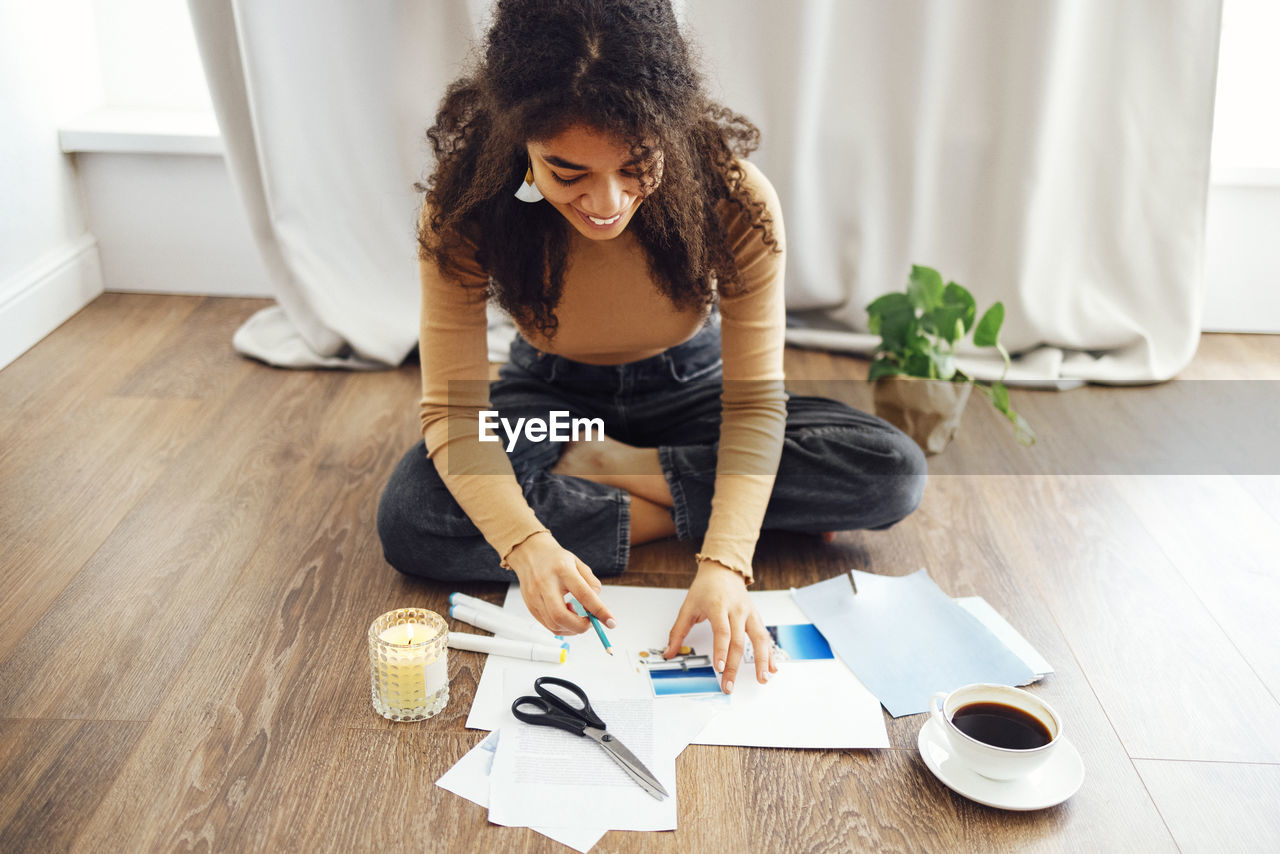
[(620, 67)]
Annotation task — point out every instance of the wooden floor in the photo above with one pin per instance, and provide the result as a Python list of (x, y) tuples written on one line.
[(190, 562)]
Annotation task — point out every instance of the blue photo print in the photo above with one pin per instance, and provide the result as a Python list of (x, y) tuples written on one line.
[(675, 682), (800, 642)]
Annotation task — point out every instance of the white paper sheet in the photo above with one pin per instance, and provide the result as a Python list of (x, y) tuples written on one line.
[(808, 704), (551, 778), (470, 778), (906, 639), (1012, 638), (675, 724)]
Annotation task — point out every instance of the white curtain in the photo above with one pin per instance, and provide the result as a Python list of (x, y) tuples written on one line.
[(1052, 155), (323, 106)]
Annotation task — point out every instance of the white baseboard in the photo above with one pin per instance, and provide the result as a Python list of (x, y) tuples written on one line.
[(40, 298)]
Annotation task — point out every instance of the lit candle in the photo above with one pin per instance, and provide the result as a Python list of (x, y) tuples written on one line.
[(408, 664)]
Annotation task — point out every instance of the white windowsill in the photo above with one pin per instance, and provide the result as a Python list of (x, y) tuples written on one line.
[(196, 132), (1244, 176), (142, 132)]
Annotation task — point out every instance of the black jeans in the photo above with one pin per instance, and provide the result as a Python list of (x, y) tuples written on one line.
[(841, 469)]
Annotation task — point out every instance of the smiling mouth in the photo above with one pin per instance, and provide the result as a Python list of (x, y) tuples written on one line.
[(597, 221)]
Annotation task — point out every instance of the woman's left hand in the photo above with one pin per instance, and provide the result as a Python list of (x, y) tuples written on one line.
[(719, 595)]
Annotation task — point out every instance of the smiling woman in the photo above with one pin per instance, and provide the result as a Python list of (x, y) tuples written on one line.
[(593, 180), (586, 183)]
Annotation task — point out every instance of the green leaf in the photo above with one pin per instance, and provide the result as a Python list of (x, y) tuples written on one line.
[(946, 323), (1022, 430), (961, 301), (889, 304), (1000, 397), (896, 331), (893, 318), (925, 288), (952, 317), (919, 364), (987, 332)]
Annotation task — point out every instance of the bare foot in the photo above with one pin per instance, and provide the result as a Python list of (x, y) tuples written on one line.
[(587, 459), (614, 463)]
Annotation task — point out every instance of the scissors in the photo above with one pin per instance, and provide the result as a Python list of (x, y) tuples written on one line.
[(558, 711)]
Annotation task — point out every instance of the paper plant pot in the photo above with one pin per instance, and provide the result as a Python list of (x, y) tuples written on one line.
[(926, 410)]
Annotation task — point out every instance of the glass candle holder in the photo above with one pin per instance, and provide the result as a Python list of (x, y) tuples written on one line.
[(408, 664)]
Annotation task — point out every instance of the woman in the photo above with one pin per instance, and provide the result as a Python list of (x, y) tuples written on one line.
[(585, 182)]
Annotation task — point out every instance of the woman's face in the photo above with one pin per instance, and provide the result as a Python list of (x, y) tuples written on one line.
[(591, 178)]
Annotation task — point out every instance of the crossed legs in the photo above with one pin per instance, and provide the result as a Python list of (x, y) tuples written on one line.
[(636, 470)]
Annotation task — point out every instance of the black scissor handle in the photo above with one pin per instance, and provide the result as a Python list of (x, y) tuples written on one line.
[(547, 715), (584, 712), (554, 710)]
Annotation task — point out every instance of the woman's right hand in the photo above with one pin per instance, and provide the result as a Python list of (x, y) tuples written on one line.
[(547, 571)]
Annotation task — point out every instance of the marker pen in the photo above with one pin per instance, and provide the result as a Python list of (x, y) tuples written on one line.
[(511, 648), (502, 613), (500, 624), (478, 604)]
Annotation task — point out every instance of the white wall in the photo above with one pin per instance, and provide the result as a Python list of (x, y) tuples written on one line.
[(163, 209), (1242, 255), (148, 55), (48, 260), (170, 223), (1242, 259)]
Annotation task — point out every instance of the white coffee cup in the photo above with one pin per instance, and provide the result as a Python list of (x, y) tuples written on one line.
[(997, 763)]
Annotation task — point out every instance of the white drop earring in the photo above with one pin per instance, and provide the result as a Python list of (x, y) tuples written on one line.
[(528, 191)]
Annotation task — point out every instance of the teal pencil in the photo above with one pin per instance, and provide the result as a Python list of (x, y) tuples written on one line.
[(583, 612)]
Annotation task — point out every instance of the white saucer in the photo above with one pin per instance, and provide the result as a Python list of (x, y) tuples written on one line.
[(1052, 783)]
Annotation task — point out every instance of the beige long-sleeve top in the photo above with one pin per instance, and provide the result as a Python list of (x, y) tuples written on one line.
[(611, 312)]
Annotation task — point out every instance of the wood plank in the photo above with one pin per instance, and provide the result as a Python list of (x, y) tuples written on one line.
[(55, 773), (254, 713), (77, 456), (380, 795), (1171, 682), (151, 338), (1222, 543), (1215, 806), (151, 589), (956, 536), (1190, 427), (89, 354), (1200, 427), (197, 360), (63, 497), (1221, 356), (249, 567), (45, 400), (888, 800)]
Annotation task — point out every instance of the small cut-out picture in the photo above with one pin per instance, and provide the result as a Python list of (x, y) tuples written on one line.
[(800, 642), (683, 675)]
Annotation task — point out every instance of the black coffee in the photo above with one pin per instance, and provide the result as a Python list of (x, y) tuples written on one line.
[(1001, 726)]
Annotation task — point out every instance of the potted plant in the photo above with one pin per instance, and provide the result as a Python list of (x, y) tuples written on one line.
[(917, 385)]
